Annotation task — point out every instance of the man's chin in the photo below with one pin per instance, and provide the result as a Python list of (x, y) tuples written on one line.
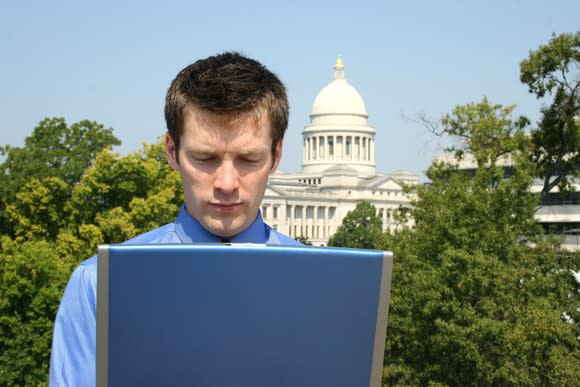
[(223, 229)]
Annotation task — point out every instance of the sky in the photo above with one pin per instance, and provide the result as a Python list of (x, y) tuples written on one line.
[(112, 61)]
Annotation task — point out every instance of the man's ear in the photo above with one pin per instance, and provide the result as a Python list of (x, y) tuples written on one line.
[(171, 152), (277, 156)]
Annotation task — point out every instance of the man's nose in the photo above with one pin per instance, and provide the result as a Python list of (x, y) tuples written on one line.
[(226, 179)]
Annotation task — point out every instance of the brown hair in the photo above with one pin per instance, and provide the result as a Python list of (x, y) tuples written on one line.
[(228, 84)]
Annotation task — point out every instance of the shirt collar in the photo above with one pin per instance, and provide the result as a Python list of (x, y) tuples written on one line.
[(190, 230)]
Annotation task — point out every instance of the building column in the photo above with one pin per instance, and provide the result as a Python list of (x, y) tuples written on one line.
[(348, 147), (324, 229), (303, 226), (315, 222), (314, 153), (292, 222), (363, 144)]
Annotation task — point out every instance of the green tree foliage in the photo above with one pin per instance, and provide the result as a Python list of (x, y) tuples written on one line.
[(38, 209), (59, 211), (552, 70), (304, 241), (53, 150), (32, 277), (473, 303), (127, 195), (361, 227), (488, 210), (486, 131)]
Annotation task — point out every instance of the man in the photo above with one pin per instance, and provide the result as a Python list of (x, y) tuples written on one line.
[(226, 118)]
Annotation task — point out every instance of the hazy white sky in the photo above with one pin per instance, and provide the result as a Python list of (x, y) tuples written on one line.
[(112, 61)]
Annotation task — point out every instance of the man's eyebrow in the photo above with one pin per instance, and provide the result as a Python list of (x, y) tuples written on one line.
[(202, 149), (253, 151)]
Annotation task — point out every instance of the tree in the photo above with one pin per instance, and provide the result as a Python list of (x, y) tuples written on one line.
[(38, 210), (126, 195), (360, 228), (304, 240), (55, 225), (32, 276), (552, 69), (53, 150), (487, 132), (466, 286)]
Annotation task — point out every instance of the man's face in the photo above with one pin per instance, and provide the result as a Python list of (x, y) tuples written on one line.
[(224, 167)]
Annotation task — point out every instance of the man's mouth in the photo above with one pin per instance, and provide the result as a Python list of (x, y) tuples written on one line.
[(225, 207)]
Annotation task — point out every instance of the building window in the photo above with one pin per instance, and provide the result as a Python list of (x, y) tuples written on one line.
[(560, 199), (275, 212), (331, 211), (297, 212)]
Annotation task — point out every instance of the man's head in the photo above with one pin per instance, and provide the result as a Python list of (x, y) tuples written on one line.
[(226, 117), (227, 85)]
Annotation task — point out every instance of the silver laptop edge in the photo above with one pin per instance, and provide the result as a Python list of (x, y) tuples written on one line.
[(102, 370), (382, 319)]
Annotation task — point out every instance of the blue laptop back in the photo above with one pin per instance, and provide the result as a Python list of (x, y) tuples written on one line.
[(241, 315)]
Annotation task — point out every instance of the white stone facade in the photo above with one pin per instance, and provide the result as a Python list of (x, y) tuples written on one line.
[(338, 170)]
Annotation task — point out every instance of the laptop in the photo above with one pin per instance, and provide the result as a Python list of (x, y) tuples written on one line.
[(241, 315)]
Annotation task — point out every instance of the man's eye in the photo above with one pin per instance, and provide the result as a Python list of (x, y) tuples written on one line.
[(203, 159), (248, 160)]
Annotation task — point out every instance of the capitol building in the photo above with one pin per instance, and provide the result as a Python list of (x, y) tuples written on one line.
[(338, 170)]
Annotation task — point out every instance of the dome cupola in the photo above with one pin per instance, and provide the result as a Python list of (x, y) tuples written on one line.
[(339, 97), (339, 133)]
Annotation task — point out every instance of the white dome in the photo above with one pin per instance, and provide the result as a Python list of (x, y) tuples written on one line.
[(339, 97), (339, 136)]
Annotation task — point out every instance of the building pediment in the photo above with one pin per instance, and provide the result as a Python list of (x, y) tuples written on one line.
[(383, 183), (273, 192)]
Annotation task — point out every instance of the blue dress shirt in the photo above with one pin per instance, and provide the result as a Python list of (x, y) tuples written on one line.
[(74, 337)]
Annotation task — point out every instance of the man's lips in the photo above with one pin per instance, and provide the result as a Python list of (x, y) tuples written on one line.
[(225, 207)]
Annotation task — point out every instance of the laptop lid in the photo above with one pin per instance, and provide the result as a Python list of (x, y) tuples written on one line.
[(241, 315)]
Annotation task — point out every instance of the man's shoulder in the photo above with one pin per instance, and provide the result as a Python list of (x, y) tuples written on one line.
[(163, 234)]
